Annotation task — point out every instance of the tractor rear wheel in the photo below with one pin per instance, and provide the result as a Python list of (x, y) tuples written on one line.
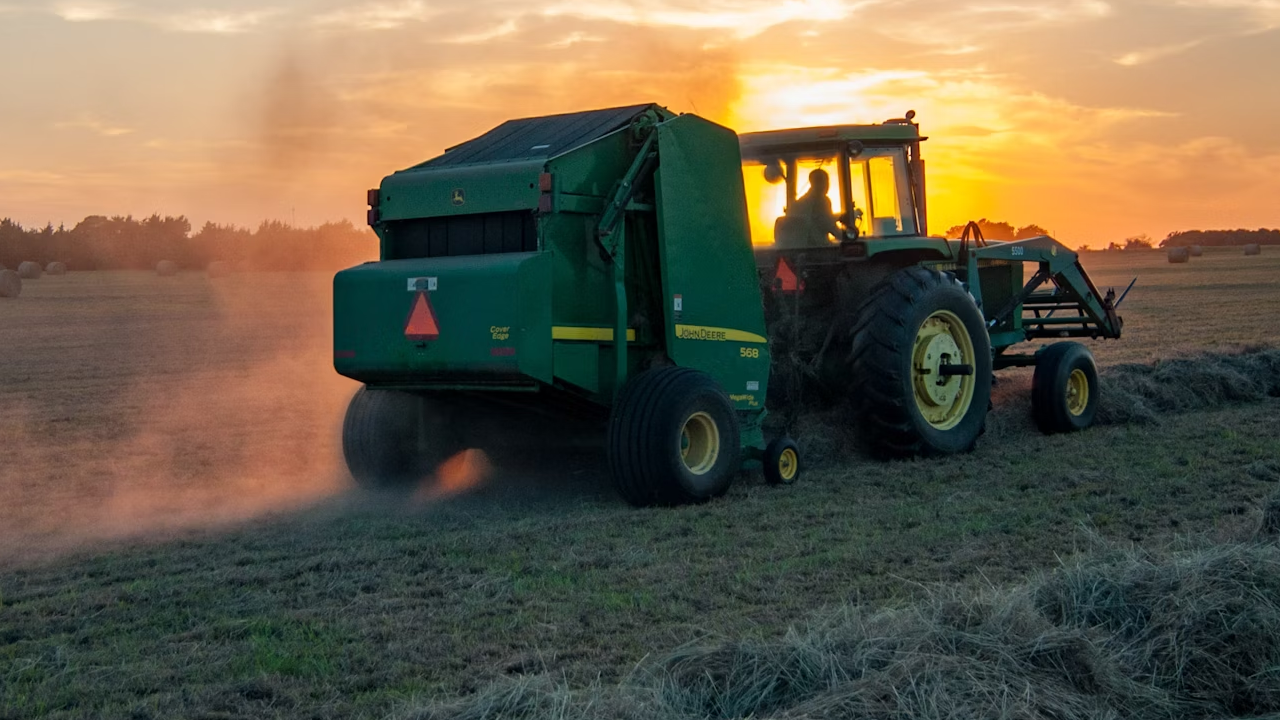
[(1064, 390), (673, 438), (392, 440), (921, 366)]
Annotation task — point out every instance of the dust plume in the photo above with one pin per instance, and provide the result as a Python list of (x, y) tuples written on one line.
[(137, 404)]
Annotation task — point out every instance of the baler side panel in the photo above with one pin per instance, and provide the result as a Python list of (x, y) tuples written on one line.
[(714, 317)]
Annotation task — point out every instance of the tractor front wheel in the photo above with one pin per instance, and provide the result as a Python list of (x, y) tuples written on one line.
[(921, 366), (392, 440), (1064, 390), (673, 438)]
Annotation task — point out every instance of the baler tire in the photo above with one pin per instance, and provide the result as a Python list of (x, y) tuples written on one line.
[(647, 431), (1064, 372), (392, 440), (781, 462), (883, 392)]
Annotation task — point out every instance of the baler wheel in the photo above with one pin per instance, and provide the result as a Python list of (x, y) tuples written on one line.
[(1064, 390), (920, 366), (781, 462), (673, 438), (392, 440)]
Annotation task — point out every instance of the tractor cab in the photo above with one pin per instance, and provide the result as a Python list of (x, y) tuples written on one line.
[(827, 187)]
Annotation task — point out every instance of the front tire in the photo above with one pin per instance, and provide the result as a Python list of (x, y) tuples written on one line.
[(1064, 390), (921, 366), (673, 438), (393, 440)]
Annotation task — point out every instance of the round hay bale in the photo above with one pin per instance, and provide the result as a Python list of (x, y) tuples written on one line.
[(1179, 255), (219, 268), (10, 284), (30, 270), (1253, 249), (1196, 251), (166, 268), (56, 268)]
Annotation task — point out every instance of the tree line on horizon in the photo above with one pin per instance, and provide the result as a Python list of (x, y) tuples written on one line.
[(997, 230), (123, 242)]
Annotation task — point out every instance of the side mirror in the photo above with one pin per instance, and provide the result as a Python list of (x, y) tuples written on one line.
[(773, 173)]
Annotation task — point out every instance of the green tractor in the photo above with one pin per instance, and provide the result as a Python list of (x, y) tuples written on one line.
[(648, 280)]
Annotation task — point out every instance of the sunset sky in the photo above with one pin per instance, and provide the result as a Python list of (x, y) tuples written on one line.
[(1097, 119)]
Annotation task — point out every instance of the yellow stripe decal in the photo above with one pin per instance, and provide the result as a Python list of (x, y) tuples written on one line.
[(596, 334), (715, 334)]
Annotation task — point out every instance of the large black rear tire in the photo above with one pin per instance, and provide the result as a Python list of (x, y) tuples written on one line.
[(393, 440), (920, 366), (1064, 390), (673, 438)]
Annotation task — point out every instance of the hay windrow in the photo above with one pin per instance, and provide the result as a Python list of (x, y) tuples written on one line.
[(1119, 635), (1138, 393)]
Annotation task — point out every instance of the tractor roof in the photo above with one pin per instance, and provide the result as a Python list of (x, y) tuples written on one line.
[(893, 132), (539, 137)]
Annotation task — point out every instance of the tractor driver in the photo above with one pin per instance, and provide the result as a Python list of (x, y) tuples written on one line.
[(813, 211)]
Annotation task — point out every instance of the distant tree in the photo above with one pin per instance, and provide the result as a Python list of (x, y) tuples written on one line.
[(1221, 238), (991, 230), (1137, 242), (1029, 231)]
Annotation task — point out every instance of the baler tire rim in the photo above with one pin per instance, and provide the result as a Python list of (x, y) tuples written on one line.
[(699, 443)]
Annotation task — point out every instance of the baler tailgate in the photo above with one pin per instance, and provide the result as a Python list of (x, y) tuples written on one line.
[(441, 321)]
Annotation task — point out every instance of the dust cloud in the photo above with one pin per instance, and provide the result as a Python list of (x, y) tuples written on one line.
[(137, 405)]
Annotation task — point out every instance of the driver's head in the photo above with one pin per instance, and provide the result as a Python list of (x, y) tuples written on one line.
[(820, 181)]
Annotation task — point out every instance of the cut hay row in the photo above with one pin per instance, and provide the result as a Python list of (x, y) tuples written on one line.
[(1138, 393), (1122, 635), (1179, 254), (10, 284), (30, 270)]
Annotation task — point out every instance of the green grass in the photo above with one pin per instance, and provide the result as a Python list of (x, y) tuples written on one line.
[(265, 589)]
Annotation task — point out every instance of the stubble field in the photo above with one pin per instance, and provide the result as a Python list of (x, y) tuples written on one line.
[(178, 536)]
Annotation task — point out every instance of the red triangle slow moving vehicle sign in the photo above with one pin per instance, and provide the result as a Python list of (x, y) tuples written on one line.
[(787, 277), (421, 325)]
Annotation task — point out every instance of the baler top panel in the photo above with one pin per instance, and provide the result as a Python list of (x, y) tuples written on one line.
[(536, 138)]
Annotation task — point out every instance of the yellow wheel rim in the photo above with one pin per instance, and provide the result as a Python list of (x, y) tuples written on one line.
[(1077, 392), (699, 443), (942, 340), (788, 465)]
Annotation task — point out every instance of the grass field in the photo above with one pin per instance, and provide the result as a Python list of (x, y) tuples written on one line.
[(178, 537)]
